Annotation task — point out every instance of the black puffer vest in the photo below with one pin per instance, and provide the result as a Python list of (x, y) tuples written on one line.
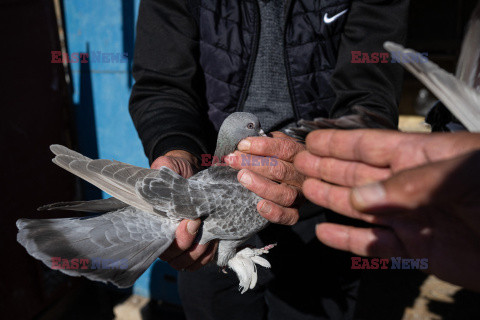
[(229, 32)]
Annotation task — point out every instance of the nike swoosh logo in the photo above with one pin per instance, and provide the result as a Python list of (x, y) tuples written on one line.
[(329, 20)]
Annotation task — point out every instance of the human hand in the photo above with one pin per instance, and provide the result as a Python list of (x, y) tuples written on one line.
[(183, 253), (182, 162), (266, 168), (428, 211)]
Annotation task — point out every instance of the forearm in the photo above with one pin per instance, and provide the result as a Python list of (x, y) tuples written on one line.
[(166, 103), (376, 86), (168, 123)]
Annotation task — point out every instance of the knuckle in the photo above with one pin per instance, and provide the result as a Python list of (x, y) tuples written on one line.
[(289, 196), (285, 217), (410, 188), (318, 165), (159, 162), (275, 216), (259, 186), (259, 145), (292, 218), (286, 149), (278, 172)]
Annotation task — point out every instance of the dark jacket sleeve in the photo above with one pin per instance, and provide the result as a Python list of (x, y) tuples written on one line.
[(166, 102), (376, 86)]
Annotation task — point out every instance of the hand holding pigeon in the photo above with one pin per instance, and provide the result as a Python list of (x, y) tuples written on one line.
[(266, 168), (184, 253), (138, 224)]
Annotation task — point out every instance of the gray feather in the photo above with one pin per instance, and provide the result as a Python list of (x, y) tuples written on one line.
[(95, 206), (462, 100), (468, 68), (59, 149), (360, 119), (80, 167), (129, 234)]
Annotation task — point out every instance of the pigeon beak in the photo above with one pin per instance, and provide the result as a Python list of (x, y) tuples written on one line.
[(261, 133)]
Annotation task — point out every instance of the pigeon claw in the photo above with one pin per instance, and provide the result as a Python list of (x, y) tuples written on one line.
[(244, 264)]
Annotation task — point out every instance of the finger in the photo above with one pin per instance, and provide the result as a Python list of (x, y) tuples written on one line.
[(281, 194), (278, 134), (192, 255), (206, 258), (271, 168), (277, 214), (282, 148), (184, 237), (188, 257), (375, 242), (163, 162), (181, 166), (340, 172), (409, 189), (335, 198), (374, 147)]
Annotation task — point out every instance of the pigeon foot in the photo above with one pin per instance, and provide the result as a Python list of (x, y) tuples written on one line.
[(244, 265)]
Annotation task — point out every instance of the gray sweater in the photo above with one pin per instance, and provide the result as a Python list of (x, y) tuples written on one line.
[(268, 96)]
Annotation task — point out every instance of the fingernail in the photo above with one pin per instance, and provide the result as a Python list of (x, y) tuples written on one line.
[(246, 179), (369, 195), (193, 226), (265, 208), (244, 145)]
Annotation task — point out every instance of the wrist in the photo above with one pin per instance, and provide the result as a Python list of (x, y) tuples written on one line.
[(190, 158)]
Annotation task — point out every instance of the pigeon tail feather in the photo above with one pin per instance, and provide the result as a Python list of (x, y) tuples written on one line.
[(95, 206), (116, 247)]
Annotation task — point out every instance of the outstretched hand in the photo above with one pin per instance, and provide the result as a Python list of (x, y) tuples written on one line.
[(183, 253), (422, 191), (266, 168)]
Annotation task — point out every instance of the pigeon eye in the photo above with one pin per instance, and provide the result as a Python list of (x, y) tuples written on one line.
[(250, 126)]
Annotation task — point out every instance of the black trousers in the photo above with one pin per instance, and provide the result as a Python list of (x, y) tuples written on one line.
[(307, 280)]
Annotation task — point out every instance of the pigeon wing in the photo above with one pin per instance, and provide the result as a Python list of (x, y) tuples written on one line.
[(360, 119), (191, 198), (96, 206), (128, 236), (116, 178), (463, 101), (468, 68)]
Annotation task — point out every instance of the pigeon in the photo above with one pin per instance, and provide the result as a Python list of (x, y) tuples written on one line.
[(361, 118), (138, 223), (459, 92)]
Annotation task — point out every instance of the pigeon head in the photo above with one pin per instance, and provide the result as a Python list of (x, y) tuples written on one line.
[(235, 128)]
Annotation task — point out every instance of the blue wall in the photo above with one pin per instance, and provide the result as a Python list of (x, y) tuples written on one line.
[(101, 91)]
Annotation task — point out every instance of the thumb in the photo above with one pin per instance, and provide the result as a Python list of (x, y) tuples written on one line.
[(407, 189)]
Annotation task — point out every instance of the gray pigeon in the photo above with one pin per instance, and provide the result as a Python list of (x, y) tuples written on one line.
[(459, 93), (139, 222), (361, 118)]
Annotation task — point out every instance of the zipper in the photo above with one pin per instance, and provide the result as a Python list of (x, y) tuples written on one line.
[(251, 62), (286, 62)]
